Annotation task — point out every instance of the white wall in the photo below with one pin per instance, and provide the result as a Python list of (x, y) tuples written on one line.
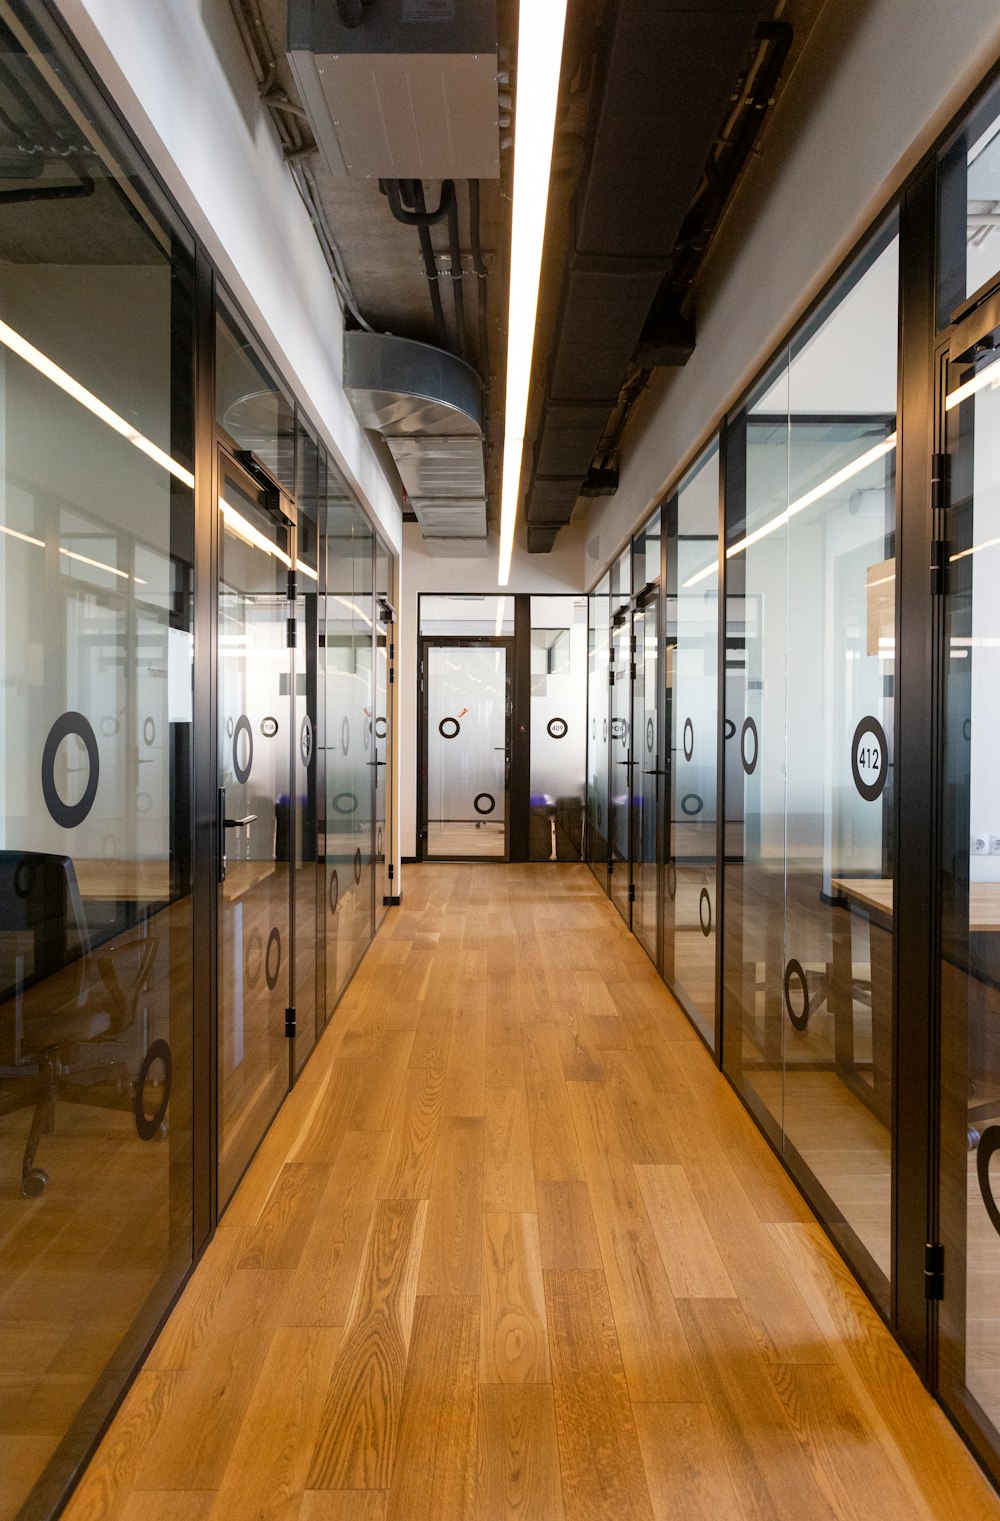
[(878, 81), (179, 73), (560, 571)]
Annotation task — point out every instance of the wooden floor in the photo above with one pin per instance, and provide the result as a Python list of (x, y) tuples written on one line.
[(513, 1249)]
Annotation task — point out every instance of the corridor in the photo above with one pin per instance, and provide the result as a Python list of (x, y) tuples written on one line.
[(513, 1248)]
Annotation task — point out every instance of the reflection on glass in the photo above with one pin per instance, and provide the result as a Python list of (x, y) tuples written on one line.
[(96, 620), (250, 404), (558, 705), (692, 645), (384, 637), (620, 763), (350, 727), (809, 705), (467, 749), (255, 946), (306, 793), (645, 741), (486, 617), (969, 194), (970, 971), (598, 665)]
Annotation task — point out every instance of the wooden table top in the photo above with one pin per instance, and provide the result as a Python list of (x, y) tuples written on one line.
[(875, 894)]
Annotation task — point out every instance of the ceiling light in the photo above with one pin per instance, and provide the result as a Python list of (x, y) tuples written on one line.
[(59, 377), (539, 58)]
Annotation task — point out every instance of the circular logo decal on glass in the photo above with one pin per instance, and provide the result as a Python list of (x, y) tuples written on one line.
[(605, 728), (366, 735), (484, 802), (989, 1143), (688, 739), (749, 751), (148, 730), (269, 727), (378, 841), (345, 735), (869, 759), (334, 891), (728, 729), (357, 865), (24, 878), (650, 735), (692, 804), (253, 958), (593, 728), (229, 728), (147, 1125), (69, 815), (671, 880), (272, 959), (306, 740), (449, 728), (705, 912), (345, 803), (794, 972), (967, 728), (242, 728), (381, 728), (557, 728)]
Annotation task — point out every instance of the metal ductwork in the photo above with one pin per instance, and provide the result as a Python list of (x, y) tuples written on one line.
[(669, 72), (428, 407)]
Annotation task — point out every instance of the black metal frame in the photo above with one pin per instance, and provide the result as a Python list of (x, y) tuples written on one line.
[(462, 641)]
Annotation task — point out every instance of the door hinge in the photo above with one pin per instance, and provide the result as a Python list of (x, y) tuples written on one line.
[(292, 586), (392, 675), (392, 872), (611, 676), (939, 501), (289, 1023), (934, 1270), (631, 892), (632, 670), (291, 633)]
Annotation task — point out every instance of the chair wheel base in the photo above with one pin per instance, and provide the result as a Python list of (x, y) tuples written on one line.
[(34, 1183)]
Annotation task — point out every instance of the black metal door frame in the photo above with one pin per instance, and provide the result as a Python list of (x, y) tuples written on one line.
[(453, 641)]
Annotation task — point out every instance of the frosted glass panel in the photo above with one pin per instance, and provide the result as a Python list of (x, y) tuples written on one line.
[(467, 750)]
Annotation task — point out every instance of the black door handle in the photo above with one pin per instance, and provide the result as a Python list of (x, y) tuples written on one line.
[(249, 818)]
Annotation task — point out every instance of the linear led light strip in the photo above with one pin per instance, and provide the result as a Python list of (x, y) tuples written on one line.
[(539, 58), (801, 503), (71, 554)]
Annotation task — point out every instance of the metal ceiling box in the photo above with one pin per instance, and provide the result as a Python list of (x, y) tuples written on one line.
[(408, 93)]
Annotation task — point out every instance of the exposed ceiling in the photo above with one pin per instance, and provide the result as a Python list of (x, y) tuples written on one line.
[(377, 262)]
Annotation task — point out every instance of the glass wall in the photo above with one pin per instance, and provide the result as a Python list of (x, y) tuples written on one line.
[(598, 667), (96, 841), (690, 905), (808, 913), (558, 713), (645, 772)]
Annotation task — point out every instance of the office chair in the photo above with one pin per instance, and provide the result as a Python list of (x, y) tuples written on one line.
[(57, 993)]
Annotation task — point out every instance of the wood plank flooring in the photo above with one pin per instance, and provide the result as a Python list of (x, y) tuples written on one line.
[(513, 1252)]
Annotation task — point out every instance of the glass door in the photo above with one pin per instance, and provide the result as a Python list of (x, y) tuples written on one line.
[(381, 761), (467, 708), (969, 1189), (256, 671), (647, 773), (620, 765)]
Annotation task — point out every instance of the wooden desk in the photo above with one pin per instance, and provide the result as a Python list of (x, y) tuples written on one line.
[(874, 895), (123, 881)]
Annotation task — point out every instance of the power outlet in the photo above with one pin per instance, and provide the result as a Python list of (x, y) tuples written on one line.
[(979, 844), (995, 844)]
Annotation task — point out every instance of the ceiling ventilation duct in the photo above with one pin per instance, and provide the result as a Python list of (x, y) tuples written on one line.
[(399, 89), (667, 83), (427, 405)]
